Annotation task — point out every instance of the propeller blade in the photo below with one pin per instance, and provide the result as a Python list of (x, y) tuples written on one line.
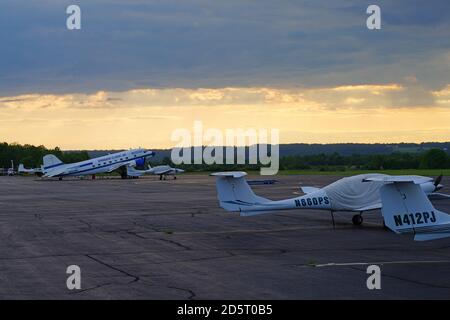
[(438, 180)]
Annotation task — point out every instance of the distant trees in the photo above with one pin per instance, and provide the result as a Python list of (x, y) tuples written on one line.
[(31, 156), (324, 162), (431, 159), (435, 159)]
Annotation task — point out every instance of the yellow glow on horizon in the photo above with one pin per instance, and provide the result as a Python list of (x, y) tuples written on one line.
[(147, 117)]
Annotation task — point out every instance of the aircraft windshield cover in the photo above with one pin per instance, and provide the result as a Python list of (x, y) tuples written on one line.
[(234, 174), (353, 193)]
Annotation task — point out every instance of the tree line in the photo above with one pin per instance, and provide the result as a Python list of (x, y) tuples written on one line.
[(31, 156), (430, 159)]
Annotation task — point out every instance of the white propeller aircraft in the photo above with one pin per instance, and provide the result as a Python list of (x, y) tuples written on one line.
[(11, 171), (403, 200), (23, 170), (53, 167), (162, 171)]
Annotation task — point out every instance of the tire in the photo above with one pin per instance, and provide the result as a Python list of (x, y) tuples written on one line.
[(357, 220)]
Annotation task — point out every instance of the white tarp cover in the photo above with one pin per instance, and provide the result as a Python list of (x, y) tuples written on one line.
[(352, 193)]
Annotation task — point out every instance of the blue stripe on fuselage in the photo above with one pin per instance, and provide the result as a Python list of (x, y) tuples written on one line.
[(53, 166), (100, 167)]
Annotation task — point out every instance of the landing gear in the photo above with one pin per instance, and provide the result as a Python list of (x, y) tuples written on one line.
[(357, 219), (60, 178), (174, 177), (332, 219)]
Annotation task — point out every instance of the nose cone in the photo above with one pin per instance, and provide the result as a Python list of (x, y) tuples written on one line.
[(438, 187)]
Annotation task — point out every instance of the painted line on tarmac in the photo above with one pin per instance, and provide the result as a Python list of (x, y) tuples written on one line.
[(347, 264), (264, 230)]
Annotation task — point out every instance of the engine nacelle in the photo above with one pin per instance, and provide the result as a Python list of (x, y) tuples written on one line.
[(139, 162)]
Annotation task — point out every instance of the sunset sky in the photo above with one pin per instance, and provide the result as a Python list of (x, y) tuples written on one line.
[(138, 70)]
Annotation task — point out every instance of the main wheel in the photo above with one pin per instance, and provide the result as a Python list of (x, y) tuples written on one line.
[(357, 219)]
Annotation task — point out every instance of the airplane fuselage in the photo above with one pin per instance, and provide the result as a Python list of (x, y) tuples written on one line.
[(99, 165)]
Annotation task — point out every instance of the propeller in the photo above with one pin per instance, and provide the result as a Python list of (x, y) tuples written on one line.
[(437, 183)]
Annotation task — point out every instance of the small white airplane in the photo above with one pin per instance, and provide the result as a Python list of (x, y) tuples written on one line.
[(162, 171), (23, 170), (11, 171), (403, 200), (53, 167)]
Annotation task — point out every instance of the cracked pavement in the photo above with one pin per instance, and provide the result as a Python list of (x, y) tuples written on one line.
[(151, 239)]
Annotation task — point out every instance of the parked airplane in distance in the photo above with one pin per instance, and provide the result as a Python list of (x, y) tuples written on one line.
[(11, 171), (403, 200), (161, 171), (53, 167), (23, 170)]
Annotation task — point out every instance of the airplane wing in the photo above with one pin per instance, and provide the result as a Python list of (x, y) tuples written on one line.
[(407, 209), (438, 196), (116, 166), (392, 179), (163, 171)]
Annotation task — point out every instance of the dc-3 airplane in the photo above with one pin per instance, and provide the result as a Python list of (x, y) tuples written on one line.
[(403, 200), (161, 171), (53, 167), (23, 170)]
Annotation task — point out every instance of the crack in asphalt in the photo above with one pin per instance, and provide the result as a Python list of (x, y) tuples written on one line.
[(178, 244), (135, 278), (86, 223), (91, 288), (192, 294)]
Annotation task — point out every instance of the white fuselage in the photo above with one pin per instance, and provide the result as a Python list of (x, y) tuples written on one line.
[(158, 170), (102, 164)]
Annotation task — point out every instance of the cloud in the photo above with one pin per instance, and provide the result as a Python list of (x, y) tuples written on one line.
[(364, 96), (125, 45)]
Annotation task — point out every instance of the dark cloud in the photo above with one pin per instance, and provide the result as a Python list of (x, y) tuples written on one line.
[(202, 43)]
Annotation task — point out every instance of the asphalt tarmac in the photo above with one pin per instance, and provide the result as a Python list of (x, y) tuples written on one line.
[(151, 239)]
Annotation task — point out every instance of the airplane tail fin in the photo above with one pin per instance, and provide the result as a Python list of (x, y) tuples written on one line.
[(235, 194), (407, 209), (51, 161), (21, 167)]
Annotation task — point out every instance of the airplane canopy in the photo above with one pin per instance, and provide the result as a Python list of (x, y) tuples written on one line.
[(356, 192)]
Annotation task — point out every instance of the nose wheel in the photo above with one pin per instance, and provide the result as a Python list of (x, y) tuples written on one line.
[(357, 219)]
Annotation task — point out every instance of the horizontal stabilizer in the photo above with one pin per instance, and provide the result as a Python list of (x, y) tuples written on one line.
[(55, 172)]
